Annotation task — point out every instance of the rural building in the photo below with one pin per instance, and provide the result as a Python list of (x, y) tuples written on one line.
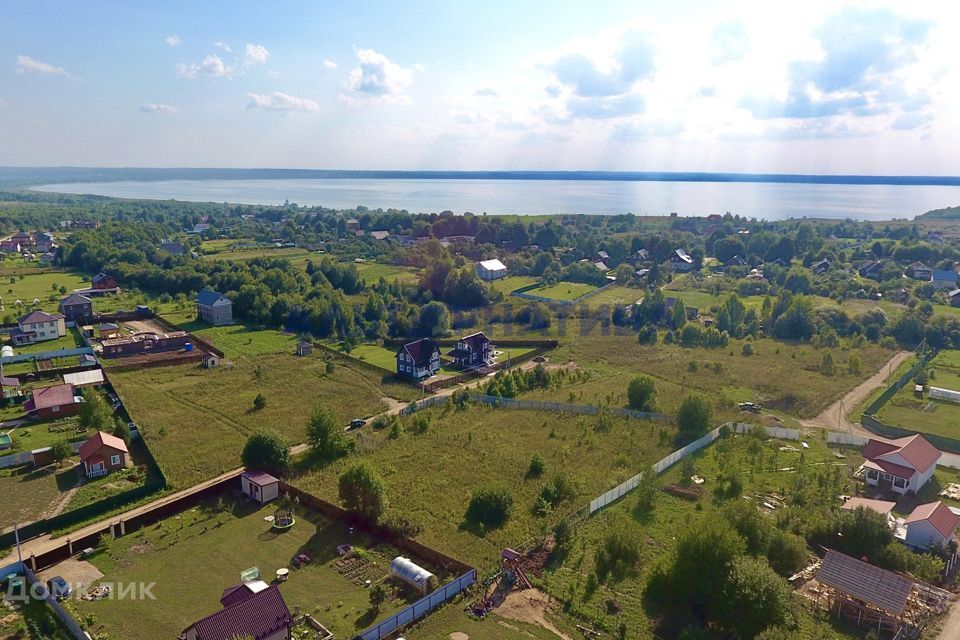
[(641, 256), (903, 465), (735, 261), (954, 298), (172, 247), (474, 350), (88, 378), (380, 235), (211, 360), (240, 592), (946, 280), (883, 507), (44, 241), (681, 261), (214, 307), (353, 224), (103, 453), (76, 307), (10, 387), (87, 360), (601, 266), (413, 574), (491, 270), (821, 267), (38, 326), (104, 282), (108, 330), (870, 269), (601, 256), (920, 271), (418, 359), (304, 348), (260, 616), (930, 525), (143, 343), (259, 485), (58, 401), (9, 245)]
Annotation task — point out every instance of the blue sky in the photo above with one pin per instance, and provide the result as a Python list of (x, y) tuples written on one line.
[(865, 87)]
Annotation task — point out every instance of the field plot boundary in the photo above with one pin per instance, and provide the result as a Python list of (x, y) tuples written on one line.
[(522, 293)]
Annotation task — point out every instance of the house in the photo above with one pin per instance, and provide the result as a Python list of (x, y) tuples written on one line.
[(215, 308), (172, 247), (104, 282), (76, 307), (474, 350), (900, 295), (44, 241), (380, 235), (920, 271), (57, 401), (681, 261), (10, 387), (9, 246), (108, 330), (103, 453), (930, 525), (870, 269), (240, 592), (304, 348), (639, 257), (259, 485), (260, 616), (87, 360), (903, 465), (954, 298), (944, 280), (38, 326), (735, 261), (714, 217), (353, 224), (418, 359), (201, 227), (820, 267), (601, 256), (883, 507), (491, 269), (143, 343)]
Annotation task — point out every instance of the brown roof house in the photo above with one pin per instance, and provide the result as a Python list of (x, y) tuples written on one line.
[(104, 453), (474, 350), (418, 359), (258, 616), (57, 401), (38, 326), (929, 525), (76, 307)]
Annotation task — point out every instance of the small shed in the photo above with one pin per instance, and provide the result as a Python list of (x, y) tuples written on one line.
[(42, 457), (413, 574), (259, 485), (304, 348), (211, 360)]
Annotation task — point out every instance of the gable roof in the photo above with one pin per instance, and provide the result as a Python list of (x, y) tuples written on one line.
[(101, 276), (493, 265), (38, 316), (260, 478), (75, 298), (914, 266), (475, 342), (420, 350), (208, 296), (99, 440), (883, 507), (915, 450), (938, 514), (259, 616), (682, 255), (873, 585), (946, 276), (55, 396)]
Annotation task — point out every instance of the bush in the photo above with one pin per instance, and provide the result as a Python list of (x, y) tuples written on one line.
[(363, 491), (558, 490), (267, 450), (753, 599), (490, 506), (747, 349), (259, 402), (693, 419), (60, 450), (619, 554), (787, 553), (642, 393), (325, 436), (537, 466)]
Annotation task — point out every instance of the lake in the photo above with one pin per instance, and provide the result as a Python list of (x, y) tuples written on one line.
[(767, 200)]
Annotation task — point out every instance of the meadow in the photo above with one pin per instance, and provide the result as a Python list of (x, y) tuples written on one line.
[(512, 283), (377, 355), (240, 341), (563, 291), (921, 413), (28, 493), (371, 272), (44, 287)]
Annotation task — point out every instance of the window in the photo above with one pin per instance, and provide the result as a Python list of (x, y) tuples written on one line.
[(114, 460), (899, 482), (54, 409)]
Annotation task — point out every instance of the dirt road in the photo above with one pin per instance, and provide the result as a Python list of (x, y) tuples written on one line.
[(834, 417)]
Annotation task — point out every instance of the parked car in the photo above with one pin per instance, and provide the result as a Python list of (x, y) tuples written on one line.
[(356, 423), (752, 407), (59, 588)]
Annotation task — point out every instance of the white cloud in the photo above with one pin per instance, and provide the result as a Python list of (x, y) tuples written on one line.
[(255, 54), (173, 40), (277, 101), (152, 107), (26, 64), (486, 92), (212, 65), (330, 64), (223, 46), (377, 79), (3, 103)]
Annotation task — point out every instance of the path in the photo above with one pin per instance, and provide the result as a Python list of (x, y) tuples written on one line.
[(64, 499), (834, 417), (951, 624)]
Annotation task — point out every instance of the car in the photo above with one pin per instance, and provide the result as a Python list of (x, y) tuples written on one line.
[(356, 423), (752, 407), (59, 588)]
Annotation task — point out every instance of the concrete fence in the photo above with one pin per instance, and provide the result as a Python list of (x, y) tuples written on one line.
[(47, 355)]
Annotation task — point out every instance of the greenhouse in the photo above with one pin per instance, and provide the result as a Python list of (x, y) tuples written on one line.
[(413, 574), (936, 393)]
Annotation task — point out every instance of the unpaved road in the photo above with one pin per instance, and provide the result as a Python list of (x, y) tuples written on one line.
[(834, 417), (951, 625)]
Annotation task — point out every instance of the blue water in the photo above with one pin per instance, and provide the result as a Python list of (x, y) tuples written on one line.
[(766, 200)]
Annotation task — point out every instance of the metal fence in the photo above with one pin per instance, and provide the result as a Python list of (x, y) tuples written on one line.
[(47, 355), (26, 457), (68, 622), (419, 608)]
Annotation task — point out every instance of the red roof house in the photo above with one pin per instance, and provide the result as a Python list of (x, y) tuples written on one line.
[(930, 525), (261, 616), (903, 465), (103, 453), (53, 402)]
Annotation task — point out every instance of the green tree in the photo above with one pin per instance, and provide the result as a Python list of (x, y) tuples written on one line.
[(537, 466), (363, 491), (378, 595), (753, 598), (642, 393), (266, 449), (325, 436), (490, 506), (434, 319), (95, 413), (619, 554), (647, 489), (259, 402), (693, 419), (787, 553), (122, 430), (60, 450), (863, 533), (679, 317)]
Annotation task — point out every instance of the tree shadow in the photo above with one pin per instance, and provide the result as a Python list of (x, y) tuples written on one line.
[(67, 478), (367, 618)]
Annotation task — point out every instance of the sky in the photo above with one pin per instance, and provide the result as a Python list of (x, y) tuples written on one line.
[(688, 85)]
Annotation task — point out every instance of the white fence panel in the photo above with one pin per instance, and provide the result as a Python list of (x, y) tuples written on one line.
[(850, 439)]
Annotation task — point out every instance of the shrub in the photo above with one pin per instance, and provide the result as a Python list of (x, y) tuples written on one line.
[(325, 436), (619, 554), (363, 491), (537, 466), (642, 393), (558, 490), (747, 349), (693, 418), (60, 450), (259, 402), (787, 553), (267, 450), (490, 506)]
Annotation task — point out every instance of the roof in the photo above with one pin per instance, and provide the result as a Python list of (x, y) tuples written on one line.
[(954, 293), (475, 341), (873, 585), (38, 316), (55, 396), (259, 616), (240, 592), (601, 266), (680, 253), (259, 478), (938, 514), (492, 265), (380, 235), (883, 507), (420, 350), (914, 266), (8, 381), (915, 450), (101, 276), (208, 296), (99, 440), (76, 298), (81, 378), (949, 276)]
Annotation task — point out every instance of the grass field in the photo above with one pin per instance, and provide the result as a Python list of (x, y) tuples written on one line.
[(430, 476), (565, 291), (30, 436), (44, 286), (376, 354), (615, 295), (71, 340), (214, 544), (28, 493), (923, 414), (196, 420), (293, 254), (238, 340), (373, 271), (512, 283)]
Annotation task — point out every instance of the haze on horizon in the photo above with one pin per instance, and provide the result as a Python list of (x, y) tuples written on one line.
[(818, 88)]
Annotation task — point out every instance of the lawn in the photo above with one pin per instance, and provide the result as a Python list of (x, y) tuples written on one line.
[(115, 483), (564, 291), (377, 355), (923, 414), (293, 254), (512, 283), (373, 271), (616, 295), (192, 557), (71, 340), (237, 340), (30, 435), (42, 286), (196, 420), (431, 475)]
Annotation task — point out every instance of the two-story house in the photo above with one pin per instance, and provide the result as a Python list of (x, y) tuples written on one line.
[(474, 350), (418, 359), (681, 261), (903, 465), (76, 307), (38, 326), (214, 307)]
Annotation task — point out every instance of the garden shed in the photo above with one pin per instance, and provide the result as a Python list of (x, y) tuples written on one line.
[(259, 485), (413, 574)]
